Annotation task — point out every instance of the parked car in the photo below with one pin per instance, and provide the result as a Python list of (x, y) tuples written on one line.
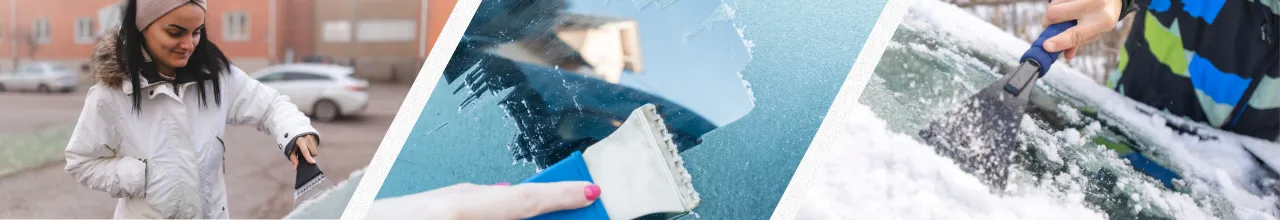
[(42, 77), (324, 92), (317, 59)]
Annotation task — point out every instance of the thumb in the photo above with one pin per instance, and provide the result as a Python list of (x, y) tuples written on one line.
[(1068, 39), (532, 199)]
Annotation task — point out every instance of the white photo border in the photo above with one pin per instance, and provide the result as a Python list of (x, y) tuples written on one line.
[(863, 66), (410, 109)]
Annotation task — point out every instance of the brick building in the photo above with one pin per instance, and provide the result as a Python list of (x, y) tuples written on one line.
[(384, 39)]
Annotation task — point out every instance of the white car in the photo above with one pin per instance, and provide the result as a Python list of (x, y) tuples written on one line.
[(42, 77), (324, 92)]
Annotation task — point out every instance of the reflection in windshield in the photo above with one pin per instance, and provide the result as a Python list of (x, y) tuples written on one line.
[(565, 76)]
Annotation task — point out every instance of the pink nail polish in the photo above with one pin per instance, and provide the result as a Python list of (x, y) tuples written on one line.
[(502, 184), (593, 192)]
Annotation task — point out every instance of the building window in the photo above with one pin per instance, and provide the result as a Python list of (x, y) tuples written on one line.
[(235, 26), (84, 30), (386, 30), (40, 31), (336, 32)]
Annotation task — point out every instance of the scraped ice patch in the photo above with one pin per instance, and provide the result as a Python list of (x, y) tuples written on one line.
[(1032, 133), (661, 4), (748, 43), (722, 14), (725, 13), (872, 173)]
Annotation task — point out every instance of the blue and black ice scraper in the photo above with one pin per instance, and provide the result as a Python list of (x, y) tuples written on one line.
[(981, 133)]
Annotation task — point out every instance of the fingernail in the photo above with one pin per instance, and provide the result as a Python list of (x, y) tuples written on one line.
[(593, 192), (502, 184), (1050, 46)]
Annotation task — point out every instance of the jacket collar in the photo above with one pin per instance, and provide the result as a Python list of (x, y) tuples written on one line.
[(151, 89)]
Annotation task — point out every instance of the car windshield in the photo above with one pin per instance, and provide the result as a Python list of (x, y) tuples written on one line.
[(30, 69), (268, 77), (303, 76), (59, 68)]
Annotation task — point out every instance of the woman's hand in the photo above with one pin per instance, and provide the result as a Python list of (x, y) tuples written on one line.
[(307, 144), (500, 201), (1093, 18)]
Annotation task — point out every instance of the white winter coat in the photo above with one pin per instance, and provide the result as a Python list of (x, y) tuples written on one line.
[(167, 160)]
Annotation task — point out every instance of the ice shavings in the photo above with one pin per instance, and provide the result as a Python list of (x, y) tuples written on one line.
[(1087, 163), (1222, 180), (751, 94), (1069, 113), (873, 173), (1222, 167)]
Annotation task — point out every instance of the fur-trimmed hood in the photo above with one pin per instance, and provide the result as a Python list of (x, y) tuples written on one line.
[(104, 65)]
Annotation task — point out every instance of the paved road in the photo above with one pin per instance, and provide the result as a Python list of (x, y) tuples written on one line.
[(259, 179)]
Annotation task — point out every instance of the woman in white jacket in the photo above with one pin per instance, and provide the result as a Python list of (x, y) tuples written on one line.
[(151, 132)]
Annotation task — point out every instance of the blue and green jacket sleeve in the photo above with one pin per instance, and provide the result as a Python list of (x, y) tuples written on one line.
[(1213, 61)]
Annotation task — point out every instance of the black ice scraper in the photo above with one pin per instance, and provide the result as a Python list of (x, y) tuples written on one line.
[(309, 175), (981, 133)]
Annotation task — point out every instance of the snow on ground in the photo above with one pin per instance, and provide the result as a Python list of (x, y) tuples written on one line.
[(874, 173)]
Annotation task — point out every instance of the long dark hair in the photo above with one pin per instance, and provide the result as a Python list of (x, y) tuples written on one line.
[(207, 59)]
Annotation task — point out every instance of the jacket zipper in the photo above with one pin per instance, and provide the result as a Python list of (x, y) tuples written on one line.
[(1269, 29), (224, 154)]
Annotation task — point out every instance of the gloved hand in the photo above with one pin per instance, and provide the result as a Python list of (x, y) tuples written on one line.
[(499, 201), (1093, 18)]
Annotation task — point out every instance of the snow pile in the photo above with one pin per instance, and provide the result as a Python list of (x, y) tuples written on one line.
[(1222, 167), (1215, 170), (876, 174), (1084, 160)]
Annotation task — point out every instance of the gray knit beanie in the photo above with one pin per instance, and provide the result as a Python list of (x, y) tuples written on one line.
[(151, 10)]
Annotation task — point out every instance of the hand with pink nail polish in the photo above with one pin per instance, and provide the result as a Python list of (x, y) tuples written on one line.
[(498, 201)]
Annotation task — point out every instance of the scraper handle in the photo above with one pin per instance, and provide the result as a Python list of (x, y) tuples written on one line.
[(573, 168), (1037, 53), (307, 171)]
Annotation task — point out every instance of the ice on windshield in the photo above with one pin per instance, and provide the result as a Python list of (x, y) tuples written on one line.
[(567, 72)]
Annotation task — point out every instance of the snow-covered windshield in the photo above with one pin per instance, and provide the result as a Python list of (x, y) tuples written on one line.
[(1085, 151)]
